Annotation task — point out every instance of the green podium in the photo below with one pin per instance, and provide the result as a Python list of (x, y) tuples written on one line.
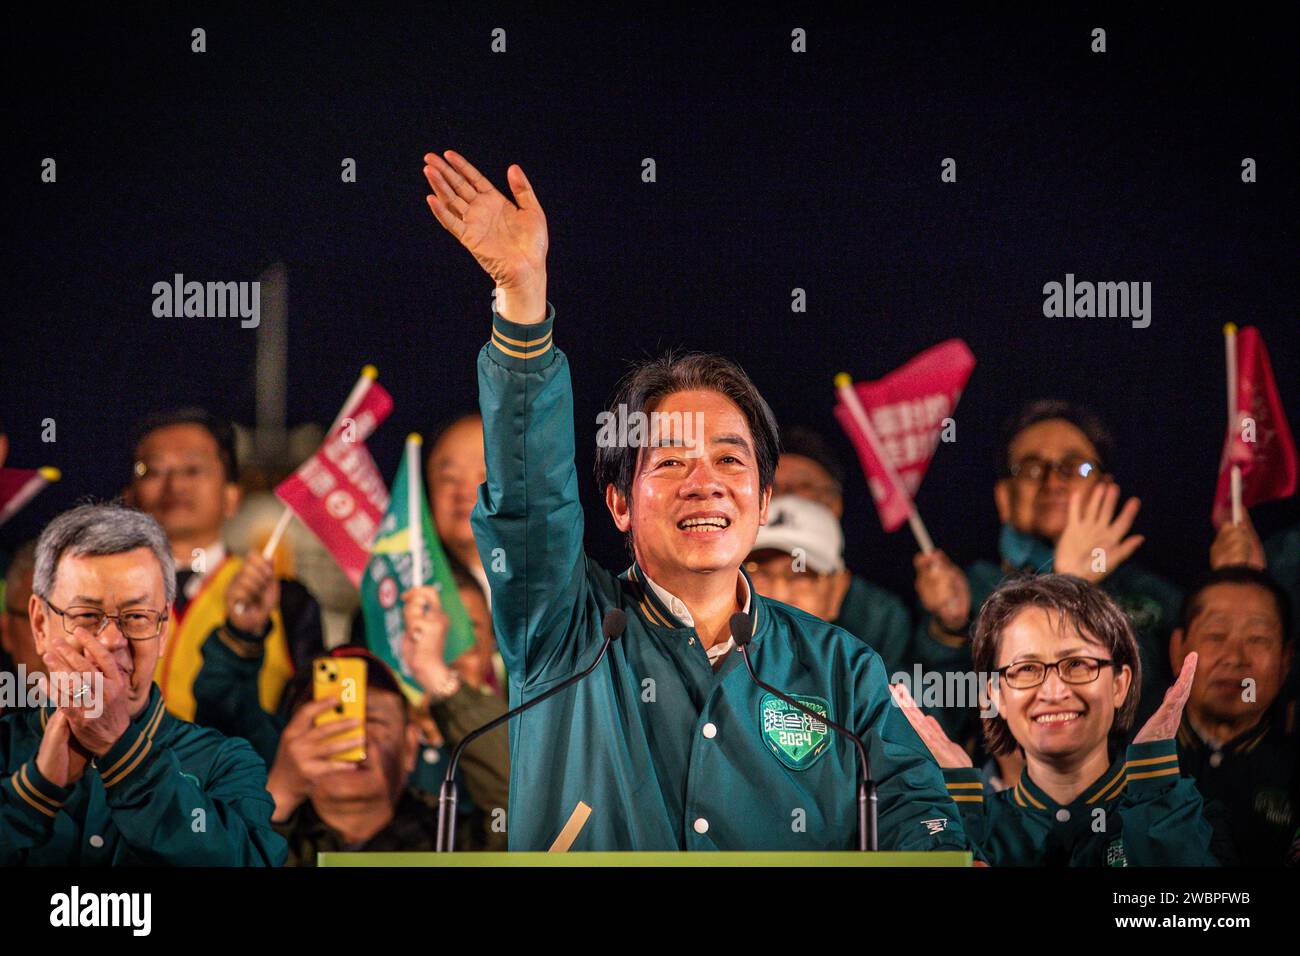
[(655, 859)]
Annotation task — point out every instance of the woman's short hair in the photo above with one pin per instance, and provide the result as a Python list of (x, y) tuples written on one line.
[(1087, 608)]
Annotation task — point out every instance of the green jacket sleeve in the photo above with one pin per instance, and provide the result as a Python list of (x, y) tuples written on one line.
[(528, 521), (1162, 820), (966, 789), (28, 804), (486, 762), (226, 698), (915, 812), (168, 818)]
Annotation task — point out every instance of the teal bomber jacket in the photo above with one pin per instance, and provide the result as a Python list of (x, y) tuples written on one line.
[(667, 753), (167, 793)]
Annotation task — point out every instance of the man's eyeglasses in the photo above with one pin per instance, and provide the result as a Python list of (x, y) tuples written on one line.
[(1036, 469), (136, 624), (1023, 675)]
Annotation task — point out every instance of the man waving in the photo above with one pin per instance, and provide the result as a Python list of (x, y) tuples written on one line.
[(669, 744)]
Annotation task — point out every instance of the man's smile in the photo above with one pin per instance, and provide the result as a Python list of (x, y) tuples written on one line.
[(704, 523)]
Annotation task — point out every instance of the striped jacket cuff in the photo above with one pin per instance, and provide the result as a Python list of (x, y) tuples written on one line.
[(522, 348), (964, 785), (1152, 765), (37, 793), (134, 748)]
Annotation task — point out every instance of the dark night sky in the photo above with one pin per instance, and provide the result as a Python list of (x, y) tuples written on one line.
[(775, 170)]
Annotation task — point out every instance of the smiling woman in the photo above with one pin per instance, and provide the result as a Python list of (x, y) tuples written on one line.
[(1065, 687)]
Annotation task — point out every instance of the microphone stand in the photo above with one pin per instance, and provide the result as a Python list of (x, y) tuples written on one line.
[(614, 622)]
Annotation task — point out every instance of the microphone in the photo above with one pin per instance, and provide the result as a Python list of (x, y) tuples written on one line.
[(742, 631), (612, 625)]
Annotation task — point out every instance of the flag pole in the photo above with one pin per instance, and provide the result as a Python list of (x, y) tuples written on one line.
[(45, 475), (1230, 353), (368, 375), (844, 385), (414, 514)]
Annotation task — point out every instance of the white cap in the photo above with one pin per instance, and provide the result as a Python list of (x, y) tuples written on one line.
[(795, 523)]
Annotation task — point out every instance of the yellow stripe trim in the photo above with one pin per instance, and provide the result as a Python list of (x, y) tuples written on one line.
[(651, 613), (18, 789), (1108, 786), (647, 607), (22, 772), (146, 733), (1015, 792), (515, 353), (965, 786), (1151, 760), (968, 799), (126, 771), (1030, 797), (1171, 771), (525, 343)]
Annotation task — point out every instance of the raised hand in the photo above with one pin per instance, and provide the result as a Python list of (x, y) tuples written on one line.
[(1093, 525), (1163, 724), (1237, 544), (424, 641), (58, 760), (99, 712), (252, 595), (946, 754), (306, 754), (509, 240), (942, 589)]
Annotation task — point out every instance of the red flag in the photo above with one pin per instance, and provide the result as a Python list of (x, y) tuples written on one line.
[(20, 485), (338, 492), (906, 410), (1259, 442)]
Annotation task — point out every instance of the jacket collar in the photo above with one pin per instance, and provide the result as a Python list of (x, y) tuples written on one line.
[(1029, 796), (1243, 743), (652, 600)]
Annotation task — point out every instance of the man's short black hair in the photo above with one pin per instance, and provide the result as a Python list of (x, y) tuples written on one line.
[(646, 384), (1238, 574), (222, 432), (1045, 409), (801, 440)]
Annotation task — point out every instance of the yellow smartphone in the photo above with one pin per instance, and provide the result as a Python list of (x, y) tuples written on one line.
[(343, 677)]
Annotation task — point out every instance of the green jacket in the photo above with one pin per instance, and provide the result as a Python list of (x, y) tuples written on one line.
[(168, 793), (1151, 603), (667, 753), (1140, 812), (878, 619)]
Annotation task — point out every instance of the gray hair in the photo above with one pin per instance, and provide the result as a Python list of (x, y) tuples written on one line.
[(99, 529)]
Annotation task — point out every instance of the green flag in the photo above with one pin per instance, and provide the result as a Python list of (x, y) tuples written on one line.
[(397, 559)]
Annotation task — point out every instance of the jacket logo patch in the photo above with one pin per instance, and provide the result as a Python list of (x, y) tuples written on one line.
[(1115, 855), (794, 737)]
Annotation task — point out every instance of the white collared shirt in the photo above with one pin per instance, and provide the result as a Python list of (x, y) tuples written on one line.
[(680, 611), (213, 555)]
